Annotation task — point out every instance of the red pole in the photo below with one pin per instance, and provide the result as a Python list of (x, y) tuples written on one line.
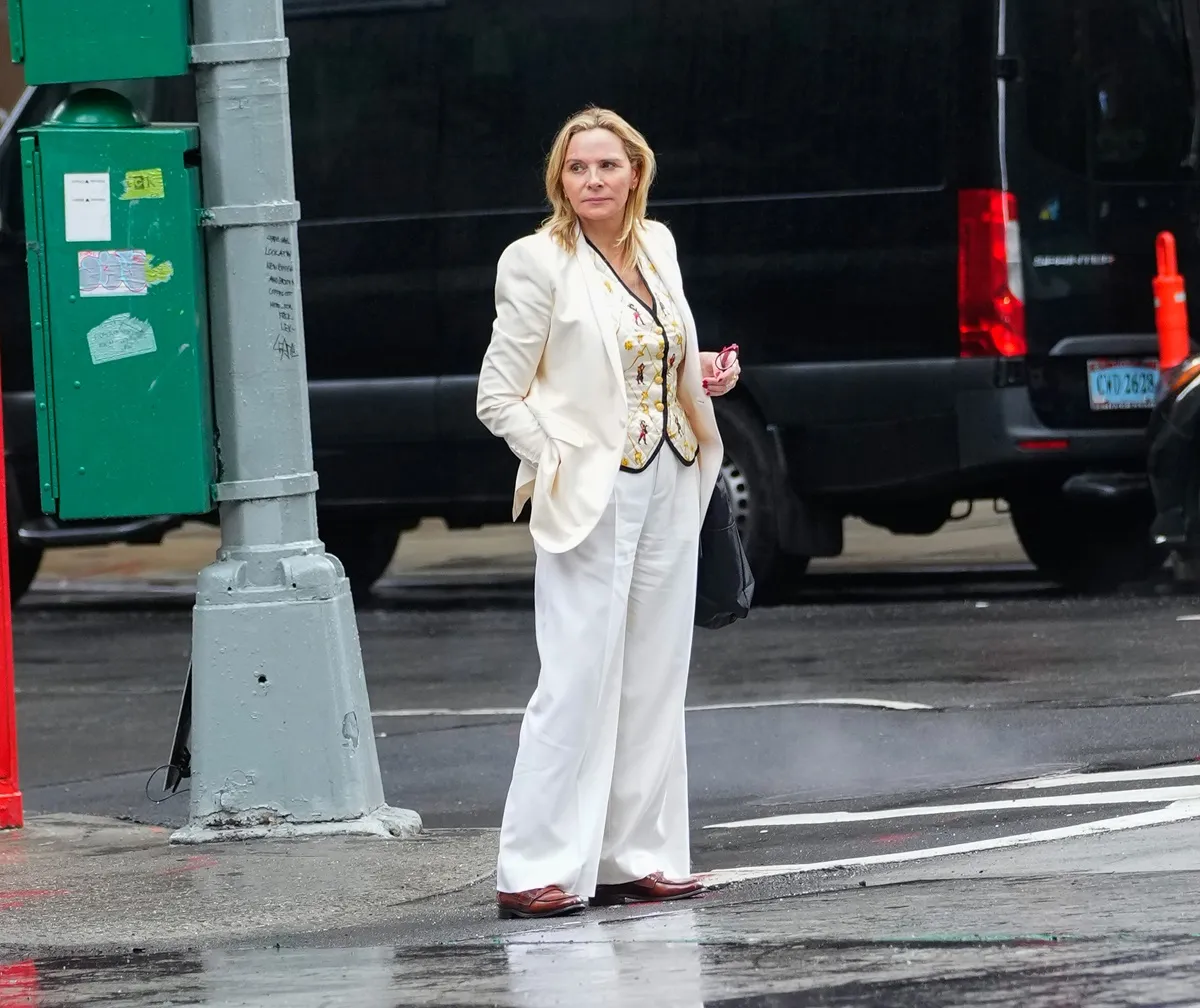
[(11, 810), (1170, 306), (19, 985)]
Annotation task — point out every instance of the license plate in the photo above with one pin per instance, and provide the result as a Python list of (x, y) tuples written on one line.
[(1122, 384)]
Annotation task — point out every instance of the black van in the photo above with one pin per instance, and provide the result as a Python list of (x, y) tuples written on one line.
[(928, 223)]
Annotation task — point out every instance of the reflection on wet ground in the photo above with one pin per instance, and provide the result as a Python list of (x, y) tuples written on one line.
[(661, 961)]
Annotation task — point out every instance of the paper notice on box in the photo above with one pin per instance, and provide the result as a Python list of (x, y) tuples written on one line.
[(119, 337), (88, 207)]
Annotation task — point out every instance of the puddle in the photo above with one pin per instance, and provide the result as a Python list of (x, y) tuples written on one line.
[(660, 961)]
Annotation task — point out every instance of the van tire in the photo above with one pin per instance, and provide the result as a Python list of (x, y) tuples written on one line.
[(24, 558), (747, 473), (364, 546), (1087, 545)]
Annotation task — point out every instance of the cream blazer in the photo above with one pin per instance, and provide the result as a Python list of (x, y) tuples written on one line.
[(551, 384)]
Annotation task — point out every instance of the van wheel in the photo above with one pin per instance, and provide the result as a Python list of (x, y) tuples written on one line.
[(1087, 545), (747, 476), (23, 558), (365, 548)]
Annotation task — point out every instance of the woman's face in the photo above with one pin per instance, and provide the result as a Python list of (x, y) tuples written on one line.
[(597, 175)]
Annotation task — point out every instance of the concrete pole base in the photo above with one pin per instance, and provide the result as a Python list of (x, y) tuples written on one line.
[(282, 738), (386, 823)]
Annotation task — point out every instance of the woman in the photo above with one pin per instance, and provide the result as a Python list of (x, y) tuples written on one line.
[(595, 380)]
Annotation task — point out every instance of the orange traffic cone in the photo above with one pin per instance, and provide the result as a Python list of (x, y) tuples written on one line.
[(1170, 306)]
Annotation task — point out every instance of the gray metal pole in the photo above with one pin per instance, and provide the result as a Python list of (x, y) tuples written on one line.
[(282, 740)]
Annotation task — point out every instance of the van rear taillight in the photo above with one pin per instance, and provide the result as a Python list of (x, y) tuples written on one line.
[(991, 294)]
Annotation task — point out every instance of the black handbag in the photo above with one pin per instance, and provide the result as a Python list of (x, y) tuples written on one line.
[(724, 581)]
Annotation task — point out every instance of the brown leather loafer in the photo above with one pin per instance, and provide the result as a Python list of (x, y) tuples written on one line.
[(654, 888), (549, 901)]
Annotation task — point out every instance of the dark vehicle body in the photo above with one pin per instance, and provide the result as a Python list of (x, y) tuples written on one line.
[(928, 223), (1174, 468)]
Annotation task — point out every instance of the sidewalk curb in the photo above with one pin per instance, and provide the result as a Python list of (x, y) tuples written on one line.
[(86, 883)]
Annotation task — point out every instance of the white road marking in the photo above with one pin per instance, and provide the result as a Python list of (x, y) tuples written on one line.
[(1138, 797), (1195, 617), (1191, 692), (1176, 812), (1072, 779), (449, 712), (896, 705)]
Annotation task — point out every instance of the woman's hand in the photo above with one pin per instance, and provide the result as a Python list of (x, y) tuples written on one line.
[(720, 371)]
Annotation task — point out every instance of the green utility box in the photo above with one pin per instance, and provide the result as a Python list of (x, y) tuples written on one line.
[(64, 41), (117, 301)]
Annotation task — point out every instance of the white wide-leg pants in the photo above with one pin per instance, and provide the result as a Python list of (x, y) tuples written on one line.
[(599, 791)]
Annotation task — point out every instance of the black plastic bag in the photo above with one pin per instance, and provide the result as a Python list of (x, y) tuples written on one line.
[(724, 582)]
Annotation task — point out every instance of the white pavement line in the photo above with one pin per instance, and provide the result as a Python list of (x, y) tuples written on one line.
[(1191, 692), (897, 705), (448, 712), (1194, 617), (1176, 812), (1072, 779), (1143, 796)]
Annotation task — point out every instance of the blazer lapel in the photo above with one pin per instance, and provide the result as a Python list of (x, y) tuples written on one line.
[(607, 321)]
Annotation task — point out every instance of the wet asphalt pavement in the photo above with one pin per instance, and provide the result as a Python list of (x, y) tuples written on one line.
[(1033, 972), (869, 723)]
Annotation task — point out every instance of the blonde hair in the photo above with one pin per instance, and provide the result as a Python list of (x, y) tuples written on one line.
[(563, 222)]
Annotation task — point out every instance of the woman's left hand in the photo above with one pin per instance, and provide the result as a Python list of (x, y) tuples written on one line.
[(716, 380)]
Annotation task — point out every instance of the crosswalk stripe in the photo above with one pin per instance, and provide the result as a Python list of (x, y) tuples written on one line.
[(1176, 812), (1138, 797), (894, 705), (1113, 777)]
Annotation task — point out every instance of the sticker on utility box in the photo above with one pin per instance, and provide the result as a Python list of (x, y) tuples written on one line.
[(119, 337), (112, 273), (158, 273), (145, 183), (88, 207)]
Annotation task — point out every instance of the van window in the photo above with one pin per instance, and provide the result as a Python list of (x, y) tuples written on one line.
[(364, 106), (452, 107), (1142, 90), (1110, 87)]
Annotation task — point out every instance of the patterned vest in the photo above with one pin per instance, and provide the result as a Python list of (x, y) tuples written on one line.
[(652, 344)]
